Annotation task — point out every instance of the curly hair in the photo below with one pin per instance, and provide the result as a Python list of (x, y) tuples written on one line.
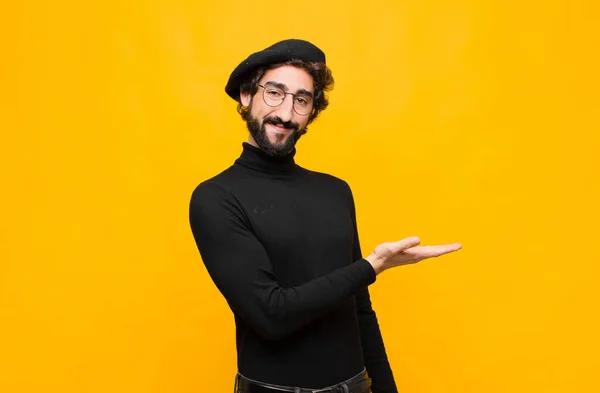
[(322, 82)]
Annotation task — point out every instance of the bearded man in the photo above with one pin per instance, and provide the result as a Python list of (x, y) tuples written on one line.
[(281, 244)]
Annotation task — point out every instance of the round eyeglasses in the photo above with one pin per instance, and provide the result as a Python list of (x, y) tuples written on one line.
[(274, 96)]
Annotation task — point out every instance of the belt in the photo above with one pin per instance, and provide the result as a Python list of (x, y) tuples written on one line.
[(360, 383)]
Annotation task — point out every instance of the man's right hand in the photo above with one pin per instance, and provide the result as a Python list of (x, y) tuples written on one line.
[(404, 252)]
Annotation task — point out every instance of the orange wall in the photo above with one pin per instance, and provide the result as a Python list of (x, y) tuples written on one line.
[(453, 120)]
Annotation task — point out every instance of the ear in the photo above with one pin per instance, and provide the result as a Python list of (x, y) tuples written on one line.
[(245, 98)]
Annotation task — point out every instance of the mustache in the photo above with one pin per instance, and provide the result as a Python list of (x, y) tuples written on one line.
[(276, 121)]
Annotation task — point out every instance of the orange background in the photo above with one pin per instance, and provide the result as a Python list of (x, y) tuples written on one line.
[(454, 120)]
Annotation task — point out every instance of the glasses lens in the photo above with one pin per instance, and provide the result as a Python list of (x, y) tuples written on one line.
[(303, 105), (273, 96)]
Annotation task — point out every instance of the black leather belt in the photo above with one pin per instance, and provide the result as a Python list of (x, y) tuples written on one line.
[(361, 383)]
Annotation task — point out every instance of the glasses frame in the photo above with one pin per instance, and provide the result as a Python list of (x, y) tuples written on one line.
[(285, 93)]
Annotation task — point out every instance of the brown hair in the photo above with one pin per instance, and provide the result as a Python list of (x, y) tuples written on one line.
[(322, 80)]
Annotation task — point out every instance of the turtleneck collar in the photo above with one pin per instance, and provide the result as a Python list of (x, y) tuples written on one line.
[(254, 158)]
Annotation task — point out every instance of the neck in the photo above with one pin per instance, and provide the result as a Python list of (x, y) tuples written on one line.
[(254, 158), (251, 140)]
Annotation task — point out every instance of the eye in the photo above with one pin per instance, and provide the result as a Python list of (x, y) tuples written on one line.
[(274, 93), (302, 101)]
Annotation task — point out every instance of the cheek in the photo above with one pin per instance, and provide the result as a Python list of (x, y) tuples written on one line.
[(302, 121), (259, 110)]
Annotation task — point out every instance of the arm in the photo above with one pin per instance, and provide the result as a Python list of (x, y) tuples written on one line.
[(374, 352), (240, 268)]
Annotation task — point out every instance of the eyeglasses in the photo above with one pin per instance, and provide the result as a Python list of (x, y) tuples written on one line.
[(274, 96)]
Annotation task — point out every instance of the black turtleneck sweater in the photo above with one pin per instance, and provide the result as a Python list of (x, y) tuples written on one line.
[(280, 243)]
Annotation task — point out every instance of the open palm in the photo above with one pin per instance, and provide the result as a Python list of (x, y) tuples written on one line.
[(407, 251)]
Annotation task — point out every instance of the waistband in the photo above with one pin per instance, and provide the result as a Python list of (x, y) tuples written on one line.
[(360, 383)]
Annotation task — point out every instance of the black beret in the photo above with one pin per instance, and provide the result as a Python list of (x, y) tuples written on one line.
[(278, 52)]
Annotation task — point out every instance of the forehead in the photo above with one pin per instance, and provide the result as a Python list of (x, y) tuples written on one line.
[(293, 78)]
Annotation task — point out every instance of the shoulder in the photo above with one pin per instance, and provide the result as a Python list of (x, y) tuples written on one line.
[(213, 203), (213, 189), (331, 182)]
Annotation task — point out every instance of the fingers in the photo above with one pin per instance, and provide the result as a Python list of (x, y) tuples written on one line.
[(436, 251), (405, 244)]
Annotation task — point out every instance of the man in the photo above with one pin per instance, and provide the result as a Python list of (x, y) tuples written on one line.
[(280, 242)]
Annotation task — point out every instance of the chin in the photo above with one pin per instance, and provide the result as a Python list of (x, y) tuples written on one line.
[(276, 140)]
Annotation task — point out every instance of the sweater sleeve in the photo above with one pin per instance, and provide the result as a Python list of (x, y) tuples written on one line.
[(374, 353), (240, 268)]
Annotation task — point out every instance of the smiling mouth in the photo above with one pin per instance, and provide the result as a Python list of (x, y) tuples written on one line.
[(280, 127)]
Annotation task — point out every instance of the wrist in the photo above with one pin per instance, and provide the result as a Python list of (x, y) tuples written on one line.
[(376, 262)]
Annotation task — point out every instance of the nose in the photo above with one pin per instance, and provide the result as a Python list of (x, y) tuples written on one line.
[(285, 111)]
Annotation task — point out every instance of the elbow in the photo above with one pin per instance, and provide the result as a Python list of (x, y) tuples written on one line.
[(274, 324), (274, 319), (271, 329), (265, 326), (271, 333)]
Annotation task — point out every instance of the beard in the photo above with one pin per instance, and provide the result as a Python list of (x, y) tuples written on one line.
[(259, 133)]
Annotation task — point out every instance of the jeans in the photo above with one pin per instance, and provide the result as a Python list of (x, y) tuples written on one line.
[(360, 383)]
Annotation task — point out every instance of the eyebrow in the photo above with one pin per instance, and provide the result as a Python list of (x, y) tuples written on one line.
[(285, 88)]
